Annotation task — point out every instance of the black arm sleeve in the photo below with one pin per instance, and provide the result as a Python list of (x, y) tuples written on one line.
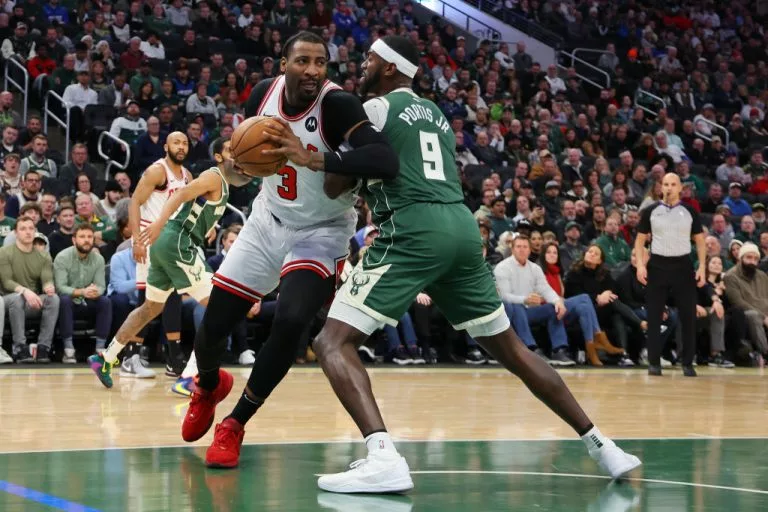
[(257, 95), (371, 155), (696, 227)]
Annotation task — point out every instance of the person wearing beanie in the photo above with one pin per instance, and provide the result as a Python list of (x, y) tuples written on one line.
[(671, 225), (747, 289)]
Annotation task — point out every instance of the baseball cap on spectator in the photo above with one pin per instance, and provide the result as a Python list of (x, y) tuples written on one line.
[(145, 62), (267, 58), (737, 185), (524, 224), (573, 224), (526, 184), (708, 106), (551, 184), (461, 38), (41, 237), (131, 102), (21, 24), (758, 206)]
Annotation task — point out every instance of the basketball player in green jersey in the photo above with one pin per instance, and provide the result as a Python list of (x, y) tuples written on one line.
[(176, 260), (428, 242)]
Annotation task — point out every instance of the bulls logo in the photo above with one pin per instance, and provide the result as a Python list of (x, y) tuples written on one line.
[(358, 281), (311, 124)]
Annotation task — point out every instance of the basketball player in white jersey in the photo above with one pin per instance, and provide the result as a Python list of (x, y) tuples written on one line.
[(296, 236), (159, 181)]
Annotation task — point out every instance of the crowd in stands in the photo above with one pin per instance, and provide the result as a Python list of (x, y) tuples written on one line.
[(556, 169)]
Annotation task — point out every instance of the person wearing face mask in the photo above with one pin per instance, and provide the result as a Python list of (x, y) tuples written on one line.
[(747, 289)]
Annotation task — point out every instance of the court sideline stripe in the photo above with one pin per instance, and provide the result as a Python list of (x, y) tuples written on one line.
[(601, 477), (43, 498), (693, 437)]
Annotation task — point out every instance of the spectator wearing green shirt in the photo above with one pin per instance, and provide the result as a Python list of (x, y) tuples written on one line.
[(614, 247), (26, 276), (684, 171), (79, 274), (6, 223), (104, 230)]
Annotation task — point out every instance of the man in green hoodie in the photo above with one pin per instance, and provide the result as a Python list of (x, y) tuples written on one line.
[(615, 249)]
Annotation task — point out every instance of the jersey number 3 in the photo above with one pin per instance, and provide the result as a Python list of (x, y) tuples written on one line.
[(287, 189), (431, 156)]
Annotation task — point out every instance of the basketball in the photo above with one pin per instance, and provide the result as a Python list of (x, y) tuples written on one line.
[(247, 143)]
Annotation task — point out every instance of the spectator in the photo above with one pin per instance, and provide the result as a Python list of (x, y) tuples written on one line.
[(104, 230), (129, 126), (178, 14), (19, 46), (79, 95), (107, 207), (731, 172), (152, 48), (200, 103), (579, 310), (735, 203), (122, 179), (614, 247), (198, 150), (591, 276), (131, 59), (53, 12), (37, 161), (191, 50), (10, 142), (83, 186), (120, 30), (711, 311), (27, 280), (500, 223), (56, 51), (714, 198), (142, 77), (61, 238), (747, 289), (40, 67), (79, 275), (530, 300), (29, 193), (10, 178), (47, 223), (7, 224), (78, 164), (117, 93), (149, 146), (571, 250)]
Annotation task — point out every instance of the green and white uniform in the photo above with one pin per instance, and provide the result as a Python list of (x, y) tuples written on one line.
[(176, 260), (428, 241)]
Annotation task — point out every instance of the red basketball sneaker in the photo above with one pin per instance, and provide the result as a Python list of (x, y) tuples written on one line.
[(202, 408), (224, 452)]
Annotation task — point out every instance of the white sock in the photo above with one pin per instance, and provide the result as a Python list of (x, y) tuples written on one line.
[(114, 348), (191, 369), (594, 439), (379, 443)]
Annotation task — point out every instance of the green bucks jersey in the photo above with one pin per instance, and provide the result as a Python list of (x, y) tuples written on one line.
[(420, 134), (197, 218)]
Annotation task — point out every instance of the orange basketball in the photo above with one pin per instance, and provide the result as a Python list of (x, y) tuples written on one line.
[(247, 143)]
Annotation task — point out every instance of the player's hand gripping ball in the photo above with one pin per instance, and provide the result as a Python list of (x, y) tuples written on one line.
[(249, 141)]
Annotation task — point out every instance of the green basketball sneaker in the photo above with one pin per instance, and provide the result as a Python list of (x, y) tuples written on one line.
[(102, 369)]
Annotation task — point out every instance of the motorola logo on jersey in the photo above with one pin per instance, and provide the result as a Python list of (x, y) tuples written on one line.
[(311, 124)]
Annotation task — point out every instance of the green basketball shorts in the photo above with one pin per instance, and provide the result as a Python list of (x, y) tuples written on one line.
[(426, 247), (177, 263)]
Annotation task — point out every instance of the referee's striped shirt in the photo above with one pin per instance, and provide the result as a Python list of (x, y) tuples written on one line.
[(670, 227)]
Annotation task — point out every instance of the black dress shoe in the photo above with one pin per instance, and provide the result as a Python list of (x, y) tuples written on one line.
[(654, 370), (689, 371)]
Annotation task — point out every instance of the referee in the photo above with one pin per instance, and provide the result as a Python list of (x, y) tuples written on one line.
[(670, 226)]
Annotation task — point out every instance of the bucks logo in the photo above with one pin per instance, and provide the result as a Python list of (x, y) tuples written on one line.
[(358, 281), (196, 273)]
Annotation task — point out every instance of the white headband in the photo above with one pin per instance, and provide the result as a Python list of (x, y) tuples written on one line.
[(386, 52)]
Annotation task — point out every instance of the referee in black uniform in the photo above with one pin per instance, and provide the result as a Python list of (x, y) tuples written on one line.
[(671, 225)]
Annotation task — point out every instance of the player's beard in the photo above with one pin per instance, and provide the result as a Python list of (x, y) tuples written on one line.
[(175, 158), (370, 82)]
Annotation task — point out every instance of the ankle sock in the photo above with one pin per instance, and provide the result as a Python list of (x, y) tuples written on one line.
[(594, 439), (380, 443), (113, 350), (245, 409)]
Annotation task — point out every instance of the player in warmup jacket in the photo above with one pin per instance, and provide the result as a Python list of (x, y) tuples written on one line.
[(428, 241), (177, 262), (295, 236)]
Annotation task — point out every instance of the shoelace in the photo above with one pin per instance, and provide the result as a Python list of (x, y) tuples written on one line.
[(226, 436)]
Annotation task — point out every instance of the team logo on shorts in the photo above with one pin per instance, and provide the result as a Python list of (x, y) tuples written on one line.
[(358, 281), (196, 273), (311, 124)]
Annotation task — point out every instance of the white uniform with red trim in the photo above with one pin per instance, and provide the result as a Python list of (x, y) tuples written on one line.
[(151, 210), (293, 224)]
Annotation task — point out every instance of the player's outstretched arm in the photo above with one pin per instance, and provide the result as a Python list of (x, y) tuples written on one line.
[(152, 178), (206, 183)]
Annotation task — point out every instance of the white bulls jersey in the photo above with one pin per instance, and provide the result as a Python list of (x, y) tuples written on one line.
[(152, 208), (295, 194)]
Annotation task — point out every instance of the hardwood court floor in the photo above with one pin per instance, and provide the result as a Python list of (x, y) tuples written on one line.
[(476, 440)]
